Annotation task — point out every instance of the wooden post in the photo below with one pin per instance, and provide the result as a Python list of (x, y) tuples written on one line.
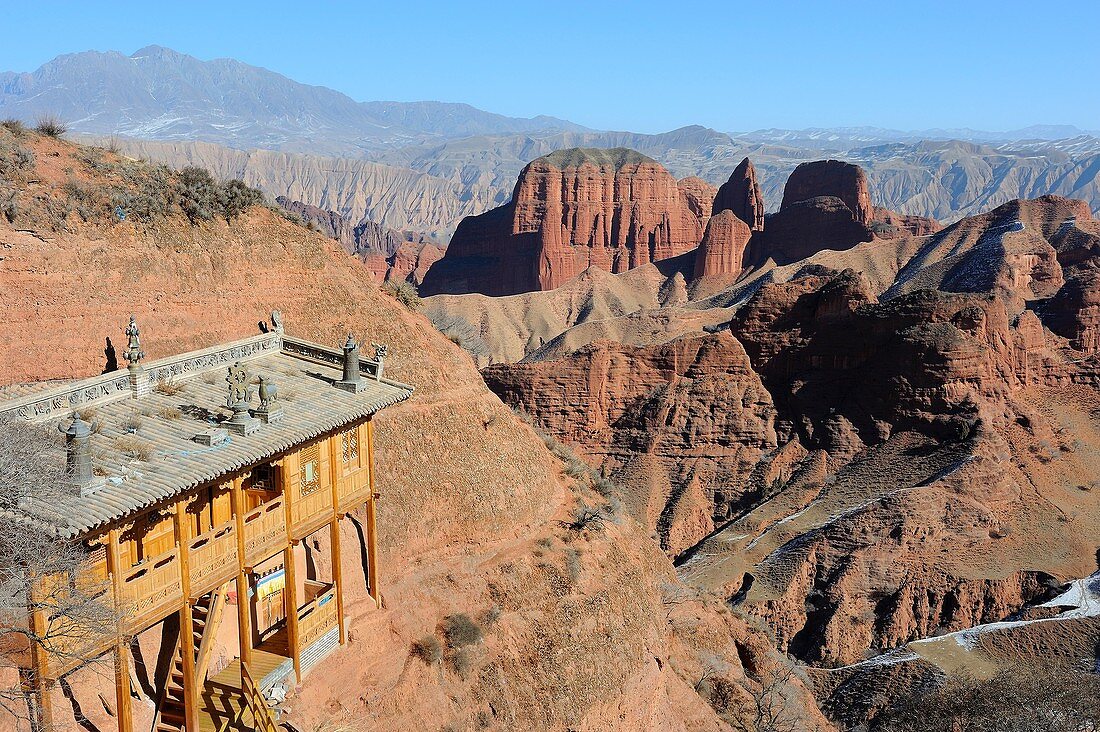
[(121, 652), (182, 529), (290, 603), (372, 535), (244, 617), (338, 575), (37, 679)]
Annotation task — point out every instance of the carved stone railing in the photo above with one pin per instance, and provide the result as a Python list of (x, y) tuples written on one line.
[(264, 531), (328, 356), (316, 618), (213, 558), (152, 587)]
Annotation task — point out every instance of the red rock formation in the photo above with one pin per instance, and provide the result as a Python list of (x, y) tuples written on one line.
[(723, 248), (674, 418), (698, 197), (806, 227), (891, 225), (573, 209), (843, 180), (741, 194)]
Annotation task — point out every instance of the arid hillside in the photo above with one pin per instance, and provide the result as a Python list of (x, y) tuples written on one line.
[(582, 622), (866, 437)]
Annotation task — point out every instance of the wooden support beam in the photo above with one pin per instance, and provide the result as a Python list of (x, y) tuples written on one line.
[(191, 684), (244, 615), (290, 604), (372, 534), (36, 680), (338, 575), (121, 652)]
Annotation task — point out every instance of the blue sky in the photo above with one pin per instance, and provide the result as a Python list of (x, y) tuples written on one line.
[(643, 66)]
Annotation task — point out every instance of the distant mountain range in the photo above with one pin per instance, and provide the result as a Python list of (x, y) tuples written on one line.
[(425, 165)]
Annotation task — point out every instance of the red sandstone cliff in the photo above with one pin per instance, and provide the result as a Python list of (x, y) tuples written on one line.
[(573, 209), (741, 194)]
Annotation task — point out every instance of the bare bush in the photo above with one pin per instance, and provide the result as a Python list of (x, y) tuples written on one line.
[(461, 630), (42, 574), (50, 125), (404, 292), (428, 649)]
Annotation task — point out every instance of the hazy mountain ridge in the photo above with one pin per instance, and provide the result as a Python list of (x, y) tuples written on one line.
[(426, 165), (159, 93)]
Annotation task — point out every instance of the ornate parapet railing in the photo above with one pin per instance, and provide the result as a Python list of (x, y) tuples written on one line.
[(316, 618), (152, 588), (328, 356), (264, 531), (245, 349), (213, 558)]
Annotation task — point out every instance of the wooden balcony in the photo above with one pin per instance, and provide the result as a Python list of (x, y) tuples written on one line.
[(151, 589), (353, 490), (264, 532), (310, 512), (213, 558), (317, 617)]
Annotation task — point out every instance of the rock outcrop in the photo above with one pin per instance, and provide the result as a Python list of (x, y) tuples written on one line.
[(573, 209), (835, 178), (683, 419), (806, 227), (720, 256), (741, 194)]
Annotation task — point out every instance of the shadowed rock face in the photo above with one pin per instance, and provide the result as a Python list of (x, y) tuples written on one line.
[(573, 209), (741, 195), (806, 227), (843, 180)]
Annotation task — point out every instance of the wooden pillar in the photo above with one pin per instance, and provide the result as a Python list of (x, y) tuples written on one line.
[(36, 680), (244, 615), (121, 652), (338, 575), (191, 683), (290, 603), (372, 534)]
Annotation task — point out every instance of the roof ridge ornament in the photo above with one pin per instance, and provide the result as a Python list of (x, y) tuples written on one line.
[(78, 455), (133, 354), (240, 401), (352, 380), (380, 351)]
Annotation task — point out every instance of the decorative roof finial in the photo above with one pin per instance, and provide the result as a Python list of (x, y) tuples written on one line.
[(133, 354), (269, 394), (239, 400), (380, 351), (351, 381)]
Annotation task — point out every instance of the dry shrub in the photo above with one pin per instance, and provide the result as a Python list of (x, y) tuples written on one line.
[(404, 292), (461, 630), (50, 125), (134, 447), (428, 649), (169, 387)]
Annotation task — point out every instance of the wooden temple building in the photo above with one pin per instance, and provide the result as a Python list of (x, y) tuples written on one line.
[(195, 481)]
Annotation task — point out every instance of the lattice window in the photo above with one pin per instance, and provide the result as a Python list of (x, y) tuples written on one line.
[(310, 474), (349, 445)]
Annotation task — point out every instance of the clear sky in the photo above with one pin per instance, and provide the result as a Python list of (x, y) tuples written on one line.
[(644, 66)]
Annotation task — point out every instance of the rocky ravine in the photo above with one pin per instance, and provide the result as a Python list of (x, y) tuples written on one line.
[(579, 629), (860, 457)]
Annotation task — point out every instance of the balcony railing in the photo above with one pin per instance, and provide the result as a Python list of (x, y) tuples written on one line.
[(316, 618), (264, 531), (213, 558), (307, 512), (353, 489), (154, 585)]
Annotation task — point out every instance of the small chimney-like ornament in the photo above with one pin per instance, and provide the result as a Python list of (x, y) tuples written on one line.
[(240, 401), (352, 380), (78, 455)]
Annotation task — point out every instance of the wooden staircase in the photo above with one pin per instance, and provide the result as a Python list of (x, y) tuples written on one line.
[(206, 617)]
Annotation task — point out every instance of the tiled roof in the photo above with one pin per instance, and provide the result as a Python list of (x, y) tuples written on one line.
[(143, 446)]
